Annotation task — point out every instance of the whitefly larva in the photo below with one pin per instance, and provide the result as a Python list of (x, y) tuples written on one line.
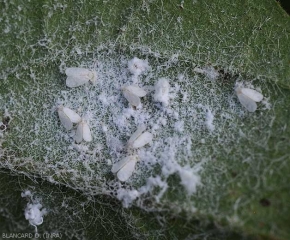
[(162, 91), (68, 117), (125, 167), (248, 98), (79, 76)]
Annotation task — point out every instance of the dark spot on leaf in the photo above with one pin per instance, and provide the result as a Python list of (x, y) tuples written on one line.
[(234, 174), (147, 202), (6, 120), (5, 123), (265, 202), (261, 224), (226, 77)]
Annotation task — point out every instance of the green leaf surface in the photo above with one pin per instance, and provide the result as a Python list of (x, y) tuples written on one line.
[(243, 163)]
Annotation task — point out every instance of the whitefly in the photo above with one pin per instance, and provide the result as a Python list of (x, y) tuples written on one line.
[(125, 167), (79, 76), (140, 138), (133, 93), (249, 98), (67, 117), (83, 132)]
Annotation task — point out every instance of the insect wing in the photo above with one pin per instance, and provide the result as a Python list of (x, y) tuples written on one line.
[(65, 120), (72, 115), (136, 134), (253, 94), (79, 133), (74, 71), (77, 76), (142, 140), (136, 90), (73, 81), (247, 102), (127, 170), (93, 77), (132, 98), (118, 165), (87, 136)]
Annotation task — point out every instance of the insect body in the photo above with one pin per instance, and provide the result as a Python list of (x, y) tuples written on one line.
[(248, 98), (133, 93), (79, 76), (68, 117), (125, 167), (162, 91), (140, 139), (83, 132)]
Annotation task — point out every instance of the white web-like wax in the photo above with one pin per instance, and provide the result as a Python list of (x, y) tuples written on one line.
[(34, 211), (191, 115)]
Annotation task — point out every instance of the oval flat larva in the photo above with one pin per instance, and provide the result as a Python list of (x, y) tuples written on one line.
[(68, 117), (248, 98), (79, 76), (162, 91), (125, 167), (133, 93), (83, 132)]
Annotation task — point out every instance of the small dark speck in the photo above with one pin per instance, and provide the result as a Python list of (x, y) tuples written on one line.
[(234, 174), (265, 202), (5, 124), (6, 120)]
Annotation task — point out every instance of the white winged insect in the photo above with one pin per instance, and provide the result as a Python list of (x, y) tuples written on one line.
[(79, 76), (125, 167), (140, 139), (162, 91), (133, 93), (83, 132), (248, 98), (68, 117)]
